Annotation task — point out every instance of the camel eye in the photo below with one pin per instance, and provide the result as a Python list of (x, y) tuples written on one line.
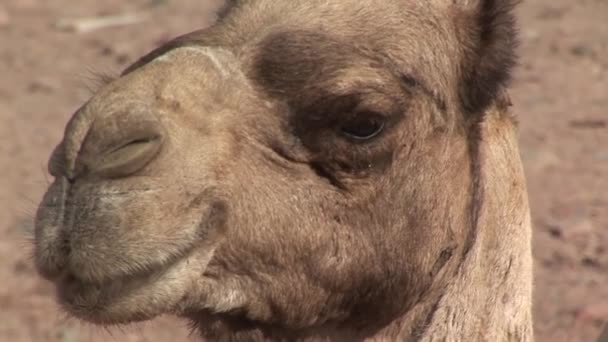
[(363, 126)]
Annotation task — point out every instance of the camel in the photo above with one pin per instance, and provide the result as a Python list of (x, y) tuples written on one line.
[(302, 170)]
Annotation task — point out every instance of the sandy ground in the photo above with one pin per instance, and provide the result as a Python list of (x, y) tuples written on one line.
[(560, 94)]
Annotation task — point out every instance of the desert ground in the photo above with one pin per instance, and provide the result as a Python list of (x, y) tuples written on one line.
[(560, 95)]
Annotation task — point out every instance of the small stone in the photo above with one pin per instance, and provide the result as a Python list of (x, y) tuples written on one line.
[(122, 58), (106, 51), (551, 13), (555, 231), (597, 71), (602, 156), (589, 261), (554, 48), (581, 50), (22, 267), (531, 35), (40, 86), (589, 123), (69, 334), (582, 228), (541, 158)]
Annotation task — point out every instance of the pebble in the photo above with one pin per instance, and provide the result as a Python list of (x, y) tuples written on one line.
[(581, 50), (531, 34), (602, 156), (555, 231), (588, 123)]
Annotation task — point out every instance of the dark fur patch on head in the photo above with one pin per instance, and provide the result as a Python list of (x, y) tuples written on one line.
[(307, 70), (290, 62), (488, 34)]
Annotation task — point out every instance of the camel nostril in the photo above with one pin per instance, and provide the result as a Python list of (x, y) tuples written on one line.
[(65, 247), (126, 159), (121, 144)]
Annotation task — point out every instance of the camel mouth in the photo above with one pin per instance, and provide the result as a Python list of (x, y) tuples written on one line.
[(93, 238), (72, 286), (118, 300), (72, 289)]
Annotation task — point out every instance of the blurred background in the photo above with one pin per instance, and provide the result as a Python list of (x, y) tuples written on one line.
[(50, 49)]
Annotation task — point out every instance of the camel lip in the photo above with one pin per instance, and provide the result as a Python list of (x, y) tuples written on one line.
[(109, 301), (69, 278), (71, 287), (69, 284), (90, 300)]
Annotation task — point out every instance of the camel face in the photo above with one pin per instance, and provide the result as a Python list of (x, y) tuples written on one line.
[(294, 166), (139, 192)]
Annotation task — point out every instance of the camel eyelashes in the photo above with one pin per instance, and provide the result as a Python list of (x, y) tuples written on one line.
[(363, 127)]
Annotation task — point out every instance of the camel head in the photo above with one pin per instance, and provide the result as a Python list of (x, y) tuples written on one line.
[(298, 165)]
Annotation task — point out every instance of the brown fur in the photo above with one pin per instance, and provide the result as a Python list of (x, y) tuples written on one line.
[(218, 179)]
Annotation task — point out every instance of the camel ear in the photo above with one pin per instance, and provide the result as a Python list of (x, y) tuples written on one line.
[(487, 33), (226, 8)]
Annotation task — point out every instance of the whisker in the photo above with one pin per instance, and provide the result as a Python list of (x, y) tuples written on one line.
[(44, 171), (93, 80)]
